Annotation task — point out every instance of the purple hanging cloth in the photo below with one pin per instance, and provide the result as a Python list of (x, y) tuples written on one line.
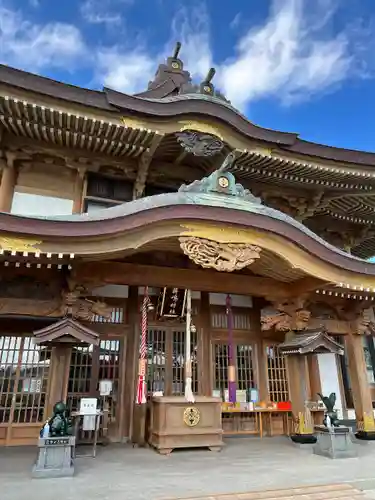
[(231, 366)]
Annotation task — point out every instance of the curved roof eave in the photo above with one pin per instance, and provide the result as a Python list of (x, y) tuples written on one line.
[(113, 101), (185, 206)]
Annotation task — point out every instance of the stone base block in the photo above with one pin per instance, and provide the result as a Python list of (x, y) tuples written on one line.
[(55, 457), (334, 443)]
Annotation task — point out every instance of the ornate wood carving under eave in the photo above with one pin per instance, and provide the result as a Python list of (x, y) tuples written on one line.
[(144, 165), (290, 315), (300, 208), (199, 144), (219, 256), (66, 331), (28, 297)]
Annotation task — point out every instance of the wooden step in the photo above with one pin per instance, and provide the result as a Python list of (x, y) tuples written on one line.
[(325, 492)]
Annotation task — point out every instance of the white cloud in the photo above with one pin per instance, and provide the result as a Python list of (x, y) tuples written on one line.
[(289, 56), (130, 70), (191, 26), (125, 71), (103, 11), (32, 46)]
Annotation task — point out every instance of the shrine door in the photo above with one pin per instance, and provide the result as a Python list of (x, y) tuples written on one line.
[(89, 365), (24, 368)]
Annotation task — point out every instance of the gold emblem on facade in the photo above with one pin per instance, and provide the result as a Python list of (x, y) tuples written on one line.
[(223, 182), (219, 256), (192, 416), (19, 245)]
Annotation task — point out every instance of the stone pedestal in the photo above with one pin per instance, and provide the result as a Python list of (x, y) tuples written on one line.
[(175, 423), (55, 457), (334, 442)]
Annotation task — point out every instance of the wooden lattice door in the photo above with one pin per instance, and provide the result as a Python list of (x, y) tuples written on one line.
[(24, 368), (88, 366), (166, 360)]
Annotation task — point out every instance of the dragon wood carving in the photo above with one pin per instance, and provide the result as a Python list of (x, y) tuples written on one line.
[(219, 256), (75, 303), (289, 316)]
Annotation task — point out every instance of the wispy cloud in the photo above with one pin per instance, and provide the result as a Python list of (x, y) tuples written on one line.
[(103, 11), (126, 71), (290, 56), (294, 54), (32, 46)]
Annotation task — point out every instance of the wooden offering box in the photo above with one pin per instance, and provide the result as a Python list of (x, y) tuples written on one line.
[(175, 423)]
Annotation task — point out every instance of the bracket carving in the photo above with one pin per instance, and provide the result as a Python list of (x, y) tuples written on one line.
[(144, 167), (219, 256), (76, 304), (290, 315)]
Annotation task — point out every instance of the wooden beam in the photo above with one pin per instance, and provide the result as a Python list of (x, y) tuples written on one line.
[(201, 280), (305, 285)]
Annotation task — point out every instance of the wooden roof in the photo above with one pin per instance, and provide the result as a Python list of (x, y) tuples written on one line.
[(201, 209), (65, 331), (310, 342), (329, 189)]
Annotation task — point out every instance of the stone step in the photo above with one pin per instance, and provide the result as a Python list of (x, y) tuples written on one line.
[(326, 492)]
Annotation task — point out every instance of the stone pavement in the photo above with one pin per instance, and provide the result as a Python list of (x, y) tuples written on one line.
[(327, 492), (244, 465)]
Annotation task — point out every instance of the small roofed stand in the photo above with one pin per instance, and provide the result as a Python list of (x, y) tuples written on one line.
[(297, 347), (110, 201)]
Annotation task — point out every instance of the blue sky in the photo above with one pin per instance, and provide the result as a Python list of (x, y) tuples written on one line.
[(304, 66)]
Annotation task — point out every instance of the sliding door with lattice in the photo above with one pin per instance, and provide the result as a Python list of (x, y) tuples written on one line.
[(277, 375), (166, 361), (244, 365), (24, 368)]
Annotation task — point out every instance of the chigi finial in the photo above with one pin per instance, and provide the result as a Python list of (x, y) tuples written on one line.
[(206, 86), (176, 50)]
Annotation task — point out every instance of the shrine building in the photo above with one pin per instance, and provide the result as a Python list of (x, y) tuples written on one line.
[(116, 210)]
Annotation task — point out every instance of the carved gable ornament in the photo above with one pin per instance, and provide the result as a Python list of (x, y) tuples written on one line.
[(222, 182), (66, 331), (219, 256)]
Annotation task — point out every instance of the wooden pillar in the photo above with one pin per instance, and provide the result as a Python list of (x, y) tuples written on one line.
[(131, 367), (314, 376), (362, 397), (297, 383), (204, 347), (78, 192), (58, 377), (7, 185)]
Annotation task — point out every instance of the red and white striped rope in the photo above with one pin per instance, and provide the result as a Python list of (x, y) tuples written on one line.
[(142, 350), (141, 389)]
